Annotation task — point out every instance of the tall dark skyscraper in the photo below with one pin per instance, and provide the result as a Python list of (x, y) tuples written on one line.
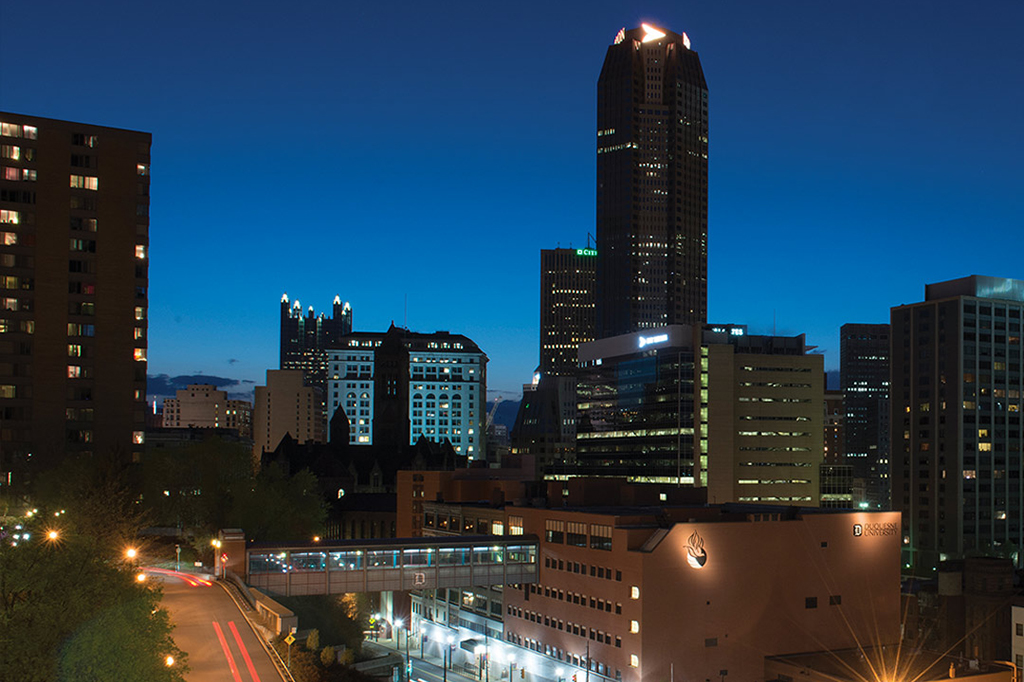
[(864, 378), (956, 412), (305, 338), (566, 307), (74, 255), (652, 184)]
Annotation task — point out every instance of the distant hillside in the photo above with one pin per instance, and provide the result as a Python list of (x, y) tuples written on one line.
[(506, 413)]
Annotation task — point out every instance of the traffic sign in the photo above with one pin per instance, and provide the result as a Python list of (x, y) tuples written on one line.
[(290, 639)]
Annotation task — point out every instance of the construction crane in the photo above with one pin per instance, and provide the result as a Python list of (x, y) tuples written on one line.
[(490, 416)]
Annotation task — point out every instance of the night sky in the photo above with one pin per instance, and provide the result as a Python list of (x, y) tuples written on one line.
[(415, 157)]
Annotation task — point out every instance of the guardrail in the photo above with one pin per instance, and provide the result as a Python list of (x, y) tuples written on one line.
[(275, 657)]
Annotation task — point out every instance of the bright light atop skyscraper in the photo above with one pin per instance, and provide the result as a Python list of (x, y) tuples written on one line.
[(651, 33)]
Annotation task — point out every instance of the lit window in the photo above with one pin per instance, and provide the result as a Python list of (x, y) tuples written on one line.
[(10, 217), (74, 371), (10, 151), (140, 354), (28, 174), (634, 661), (138, 437), (12, 173), (85, 182), (140, 312), (31, 132), (634, 626), (970, 474), (142, 168), (140, 333), (634, 592), (140, 251), (8, 238)]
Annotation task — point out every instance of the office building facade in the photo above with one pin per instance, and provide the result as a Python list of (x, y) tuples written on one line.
[(957, 421), (287, 406), (761, 422), (652, 184), (710, 406), (203, 406), (566, 307), (397, 386), (305, 338), (864, 380), (74, 256)]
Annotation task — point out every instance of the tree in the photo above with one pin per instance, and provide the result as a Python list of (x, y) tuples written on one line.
[(276, 507), (70, 606), (313, 640), (327, 656)]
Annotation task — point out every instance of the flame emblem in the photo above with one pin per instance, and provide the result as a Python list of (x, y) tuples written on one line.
[(695, 554)]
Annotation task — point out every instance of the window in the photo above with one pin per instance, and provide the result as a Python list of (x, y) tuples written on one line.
[(835, 599), (140, 251), (10, 217), (576, 535), (600, 537), (634, 627), (1020, 629), (140, 312), (634, 592), (85, 182), (811, 603), (140, 354), (634, 661)]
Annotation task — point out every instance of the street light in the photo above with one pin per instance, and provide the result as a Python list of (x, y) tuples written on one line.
[(448, 656), (131, 553), (52, 535), (169, 661), (511, 665)]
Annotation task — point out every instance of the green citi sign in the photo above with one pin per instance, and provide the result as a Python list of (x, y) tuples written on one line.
[(586, 252)]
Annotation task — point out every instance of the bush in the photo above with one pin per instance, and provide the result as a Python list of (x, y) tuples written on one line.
[(327, 656), (313, 640)]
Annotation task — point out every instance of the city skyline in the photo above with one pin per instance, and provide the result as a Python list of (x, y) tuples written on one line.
[(863, 144)]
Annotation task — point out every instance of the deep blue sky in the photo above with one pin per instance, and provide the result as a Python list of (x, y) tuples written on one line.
[(424, 150)]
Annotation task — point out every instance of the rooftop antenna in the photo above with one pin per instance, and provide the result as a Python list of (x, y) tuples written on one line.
[(405, 313), (589, 237)]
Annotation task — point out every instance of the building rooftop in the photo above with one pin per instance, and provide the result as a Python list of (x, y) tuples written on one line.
[(980, 286), (890, 662)]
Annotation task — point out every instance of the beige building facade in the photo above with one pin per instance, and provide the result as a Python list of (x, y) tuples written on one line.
[(203, 406), (287, 406)]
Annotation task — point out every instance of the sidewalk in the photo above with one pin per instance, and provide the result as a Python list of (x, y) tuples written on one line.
[(458, 673)]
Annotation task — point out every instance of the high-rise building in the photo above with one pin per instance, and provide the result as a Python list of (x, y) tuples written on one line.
[(709, 406), (305, 338), (287, 406), (652, 184), (957, 421), (397, 386), (566, 307), (864, 379), (74, 247), (203, 406)]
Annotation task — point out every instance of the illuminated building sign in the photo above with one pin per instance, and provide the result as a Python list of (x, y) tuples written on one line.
[(620, 36), (696, 556), (875, 529), (586, 252), (648, 340), (651, 33)]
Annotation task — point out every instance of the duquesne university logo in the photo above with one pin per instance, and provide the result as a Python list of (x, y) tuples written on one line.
[(695, 554)]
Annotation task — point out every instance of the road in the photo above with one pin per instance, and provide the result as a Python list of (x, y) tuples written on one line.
[(209, 627)]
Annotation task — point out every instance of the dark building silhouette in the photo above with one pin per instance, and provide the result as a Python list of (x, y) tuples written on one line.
[(864, 379), (957, 420), (566, 307), (74, 257), (652, 184), (305, 338)]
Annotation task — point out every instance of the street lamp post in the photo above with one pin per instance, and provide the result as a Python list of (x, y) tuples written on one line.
[(448, 656), (511, 665)]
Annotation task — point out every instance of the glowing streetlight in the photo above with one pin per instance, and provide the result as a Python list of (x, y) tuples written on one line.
[(169, 661), (52, 535), (141, 577), (131, 553)]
